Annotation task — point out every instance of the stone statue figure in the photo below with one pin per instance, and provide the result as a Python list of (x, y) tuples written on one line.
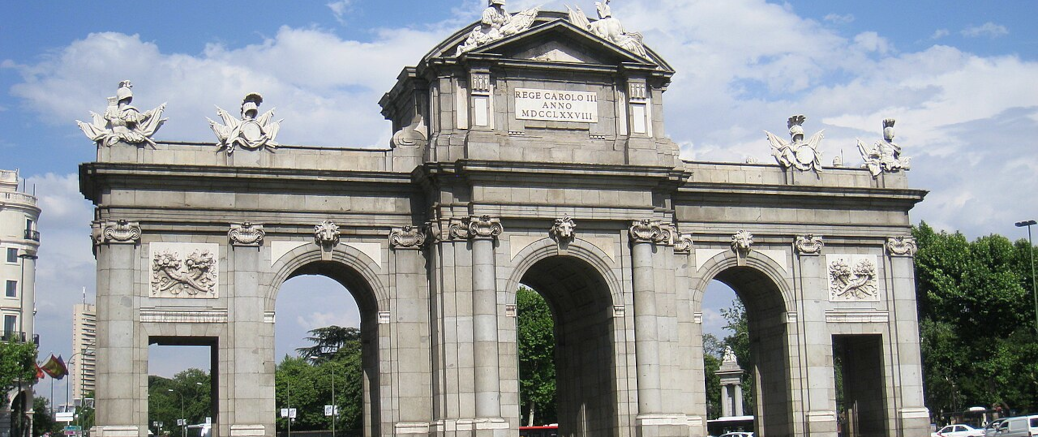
[(609, 28), (122, 122), (885, 156), (251, 132), (729, 355), (496, 23), (799, 154)]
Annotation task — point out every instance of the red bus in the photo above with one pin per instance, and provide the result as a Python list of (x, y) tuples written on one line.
[(539, 431)]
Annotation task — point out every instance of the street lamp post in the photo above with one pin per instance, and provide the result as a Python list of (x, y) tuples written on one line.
[(182, 420), (1030, 249)]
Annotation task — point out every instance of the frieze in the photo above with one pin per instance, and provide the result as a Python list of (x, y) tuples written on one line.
[(116, 232), (184, 270), (246, 234), (808, 245), (852, 278), (407, 237), (901, 246)]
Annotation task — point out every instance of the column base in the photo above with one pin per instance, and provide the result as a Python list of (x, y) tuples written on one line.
[(247, 430), (664, 425), (477, 427), (117, 431), (914, 421), (822, 423)]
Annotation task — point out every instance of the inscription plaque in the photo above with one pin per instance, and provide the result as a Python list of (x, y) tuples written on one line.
[(554, 105)]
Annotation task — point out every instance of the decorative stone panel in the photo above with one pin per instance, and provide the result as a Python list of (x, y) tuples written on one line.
[(184, 270), (852, 278)]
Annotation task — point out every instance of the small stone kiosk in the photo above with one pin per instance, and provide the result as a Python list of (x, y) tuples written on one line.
[(529, 149), (731, 385)]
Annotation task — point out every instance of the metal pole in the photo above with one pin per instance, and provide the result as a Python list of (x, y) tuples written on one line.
[(335, 409), (1034, 286), (1030, 249)]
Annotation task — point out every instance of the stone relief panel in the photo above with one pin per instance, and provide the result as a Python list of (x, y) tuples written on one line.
[(184, 270), (853, 278)]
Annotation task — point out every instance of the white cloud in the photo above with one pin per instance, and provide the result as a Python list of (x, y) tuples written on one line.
[(839, 19), (940, 33), (872, 42), (339, 9), (989, 29)]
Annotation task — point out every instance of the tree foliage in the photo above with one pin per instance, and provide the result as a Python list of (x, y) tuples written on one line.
[(976, 321), (536, 338), (306, 383), (185, 396), (17, 365), (739, 340), (713, 351)]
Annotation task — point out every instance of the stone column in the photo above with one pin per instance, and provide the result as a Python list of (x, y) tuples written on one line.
[(738, 400), (819, 390), (249, 383), (644, 234), (483, 231), (117, 409), (409, 325), (912, 414)]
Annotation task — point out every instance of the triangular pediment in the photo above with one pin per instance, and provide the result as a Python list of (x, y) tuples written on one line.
[(560, 41), (551, 39)]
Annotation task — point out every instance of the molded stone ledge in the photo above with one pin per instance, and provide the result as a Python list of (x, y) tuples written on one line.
[(115, 431), (422, 428), (663, 420), (856, 316), (193, 316)]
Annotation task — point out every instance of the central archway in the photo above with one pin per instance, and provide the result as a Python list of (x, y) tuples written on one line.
[(585, 356)]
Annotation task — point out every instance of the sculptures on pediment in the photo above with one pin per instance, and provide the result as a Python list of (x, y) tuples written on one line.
[(122, 122), (799, 154), (497, 23), (251, 132), (885, 156), (609, 28)]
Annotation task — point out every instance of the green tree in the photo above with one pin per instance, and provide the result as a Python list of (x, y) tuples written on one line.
[(42, 420), (185, 396), (536, 338), (976, 321), (17, 366), (305, 383), (328, 342)]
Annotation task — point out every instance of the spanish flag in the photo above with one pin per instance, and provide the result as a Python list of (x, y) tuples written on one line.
[(55, 367), (39, 372)]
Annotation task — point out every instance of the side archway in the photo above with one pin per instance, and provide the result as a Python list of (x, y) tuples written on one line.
[(764, 289)]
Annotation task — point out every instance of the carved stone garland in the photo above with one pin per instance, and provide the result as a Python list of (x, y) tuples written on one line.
[(117, 232), (407, 237), (901, 246), (808, 245), (192, 275), (246, 234)]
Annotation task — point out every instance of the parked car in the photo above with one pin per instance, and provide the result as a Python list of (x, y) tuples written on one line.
[(959, 430), (1023, 426), (992, 428)]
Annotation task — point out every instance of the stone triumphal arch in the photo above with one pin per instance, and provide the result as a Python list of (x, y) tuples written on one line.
[(529, 148)]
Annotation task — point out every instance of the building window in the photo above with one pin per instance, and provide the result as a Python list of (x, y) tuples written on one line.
[(12, 255), (12, 288), (10, 322)]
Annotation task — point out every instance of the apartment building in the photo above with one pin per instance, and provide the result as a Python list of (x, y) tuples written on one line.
[(82, 366)]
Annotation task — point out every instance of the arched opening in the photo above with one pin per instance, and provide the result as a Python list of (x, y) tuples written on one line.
[(730, 396), (328, 310), (582, 310), (768, 347)]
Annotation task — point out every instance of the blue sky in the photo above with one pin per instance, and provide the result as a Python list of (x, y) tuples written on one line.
[(960, 77)]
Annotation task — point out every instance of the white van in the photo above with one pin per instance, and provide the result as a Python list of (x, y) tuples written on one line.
[(1023, 426)]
